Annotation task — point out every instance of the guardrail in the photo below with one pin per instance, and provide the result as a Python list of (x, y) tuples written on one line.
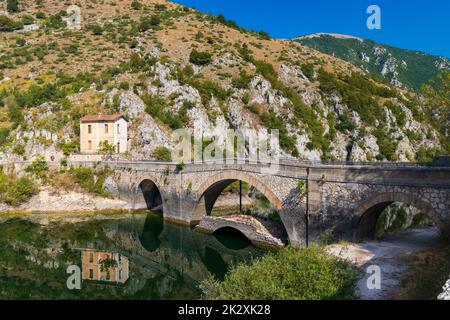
[(282, 162)]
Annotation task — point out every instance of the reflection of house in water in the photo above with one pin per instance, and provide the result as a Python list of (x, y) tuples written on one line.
[(104, 266)]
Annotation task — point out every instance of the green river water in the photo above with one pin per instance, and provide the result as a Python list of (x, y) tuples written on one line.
[(157, 260)]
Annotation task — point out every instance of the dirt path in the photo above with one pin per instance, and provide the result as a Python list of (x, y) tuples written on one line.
[(390, 255)]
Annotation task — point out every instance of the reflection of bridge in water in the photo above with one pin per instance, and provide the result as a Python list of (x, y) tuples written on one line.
[(155, 248)]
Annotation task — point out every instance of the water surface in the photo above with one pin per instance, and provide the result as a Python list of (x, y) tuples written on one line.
[(121, 256)]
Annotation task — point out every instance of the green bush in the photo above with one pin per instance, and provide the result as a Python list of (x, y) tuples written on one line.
[(19, 149), (162, 154), (157, 108), (136, 5), (15, 191), (12, 6), (290, 274), (124, 85), (54, 21), (96, 29), (90, 180), (308, 70), (7, 24), (40, 15), (38, 168), (200, 58), (243, 81), (4, 134), (27, 19), (70, 147)]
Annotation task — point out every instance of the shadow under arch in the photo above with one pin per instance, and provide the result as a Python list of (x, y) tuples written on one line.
[(232, 238), (152, 195), (370, 210), (211, 189)]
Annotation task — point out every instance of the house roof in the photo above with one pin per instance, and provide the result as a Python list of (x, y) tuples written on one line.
[(102, 118)]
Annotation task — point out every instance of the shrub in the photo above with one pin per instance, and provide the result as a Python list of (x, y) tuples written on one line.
[(180, 167), (107, 148), (70, 147), (255, 108), (136, 5), (19, 149), (4, 134), (157, 108), (96, 29), (38, 168), (54, 21), (7, 24), (124, 85), (264, 35), (162, 154), (12, 6), (243, 81), (308, 70), (89, 180), (155, 20), (246, 98), (200, 58), (19, 190), (27, 19), (144, 25), (64, 162), (294, 274), (40, 15), (425, 154)]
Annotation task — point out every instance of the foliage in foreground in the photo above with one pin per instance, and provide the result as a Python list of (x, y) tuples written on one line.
[(298, 274)]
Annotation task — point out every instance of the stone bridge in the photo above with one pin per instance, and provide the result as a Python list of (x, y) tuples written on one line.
[(311, 198)]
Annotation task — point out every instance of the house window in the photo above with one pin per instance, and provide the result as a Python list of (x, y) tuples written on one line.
[(108, 275), (89, 128), (91, 274), (106, 128), (118, 128), (91, 257), (90, 145)]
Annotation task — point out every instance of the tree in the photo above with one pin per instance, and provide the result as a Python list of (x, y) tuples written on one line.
[(12, 6), (107, 148), (200, 58)]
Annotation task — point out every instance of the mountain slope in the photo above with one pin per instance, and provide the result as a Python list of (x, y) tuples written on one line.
[(166, 67), (400, 67)]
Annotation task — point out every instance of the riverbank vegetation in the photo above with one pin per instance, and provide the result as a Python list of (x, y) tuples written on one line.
[(14, 191), (299, 274)]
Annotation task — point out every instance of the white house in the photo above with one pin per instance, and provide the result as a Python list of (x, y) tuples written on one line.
[(96, 130)]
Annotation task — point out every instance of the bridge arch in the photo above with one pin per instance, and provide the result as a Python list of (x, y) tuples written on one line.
[(370, 210), (152, 194), (210, 190)]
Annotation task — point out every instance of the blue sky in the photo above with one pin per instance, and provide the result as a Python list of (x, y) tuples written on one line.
[(414, 24)]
